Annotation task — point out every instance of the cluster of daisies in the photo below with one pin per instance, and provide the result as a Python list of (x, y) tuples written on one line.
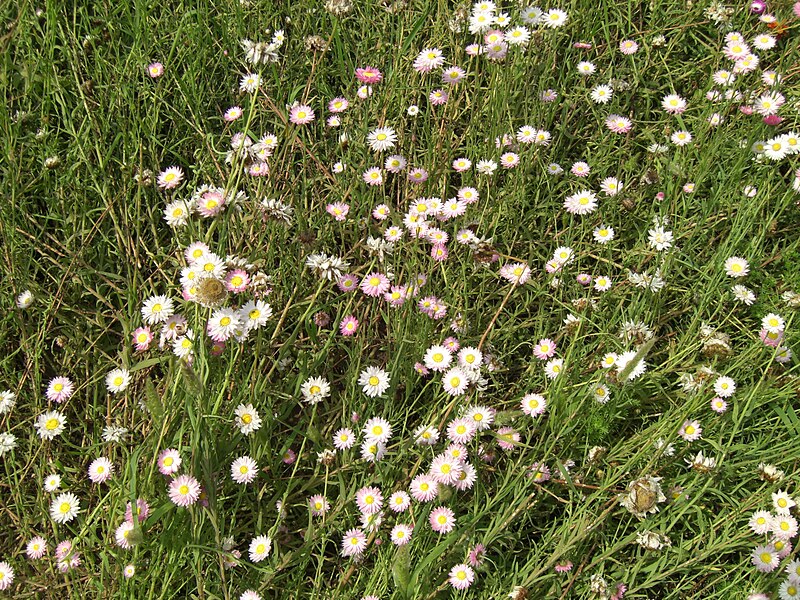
[(231, 291), (778, 528)]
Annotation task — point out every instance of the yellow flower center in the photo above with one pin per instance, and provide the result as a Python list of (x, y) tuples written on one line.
[(225, 321), (168, 461), (315, 389), (690, 430), (118, 380), (373, 380), (446, 468), (184, 489), (243, 469), (51, 424), (65, 507), (260, 548), (380, 137), (247, 419), (58, 387)]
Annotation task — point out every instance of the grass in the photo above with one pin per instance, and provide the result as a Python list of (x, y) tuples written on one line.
[(90, 242)]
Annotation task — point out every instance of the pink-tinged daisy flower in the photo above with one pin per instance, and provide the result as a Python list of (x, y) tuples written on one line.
[(461, 577), (121, 535), (718, 405), (375, 284), (765, 558), (381, 212), (442, 519), (318, 505), (141, 512), (473, 50), (259, 548), (509, 160), (184, 490), (237, 281), (563, 567), (244, 470), (6, 575), (354, 542), (628, 47), (534, 404), (369, 500), (690, 431), (462, 430), (170, 178), (63, 550), (771, 338), (344, 439), (396, 296), (540, 472), (476, 555), (101, 470), (508, 438), (142, 338), (544, 349), (394, 164), (377, 430), (301, 114), (233, 113), (400, 535), (155, 70), (445, 469), (348, 325), (348, 283), (369, 75), (438, 97), (210, 202), (399, 502), (681, 138), (580, 169), (418, 175), (373, 176), (338, 210), (618, 124), (36, 548), (289, 457), (129, 571), (423, 488), (428, 59), (439, 252), (338, 105), (60, 389), (581, 203), (364, 92), (334, 121), (259, 169), (515, 273), (453, 75), (169, 461), (462, 164)]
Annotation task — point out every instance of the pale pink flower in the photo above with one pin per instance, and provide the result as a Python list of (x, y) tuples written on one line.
[(442, 519), (301, 114)]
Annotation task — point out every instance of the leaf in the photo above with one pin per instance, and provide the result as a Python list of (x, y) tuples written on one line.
[(152, 400), (401, 570)]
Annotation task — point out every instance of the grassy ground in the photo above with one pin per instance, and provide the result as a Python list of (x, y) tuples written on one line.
[(83, 229)]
